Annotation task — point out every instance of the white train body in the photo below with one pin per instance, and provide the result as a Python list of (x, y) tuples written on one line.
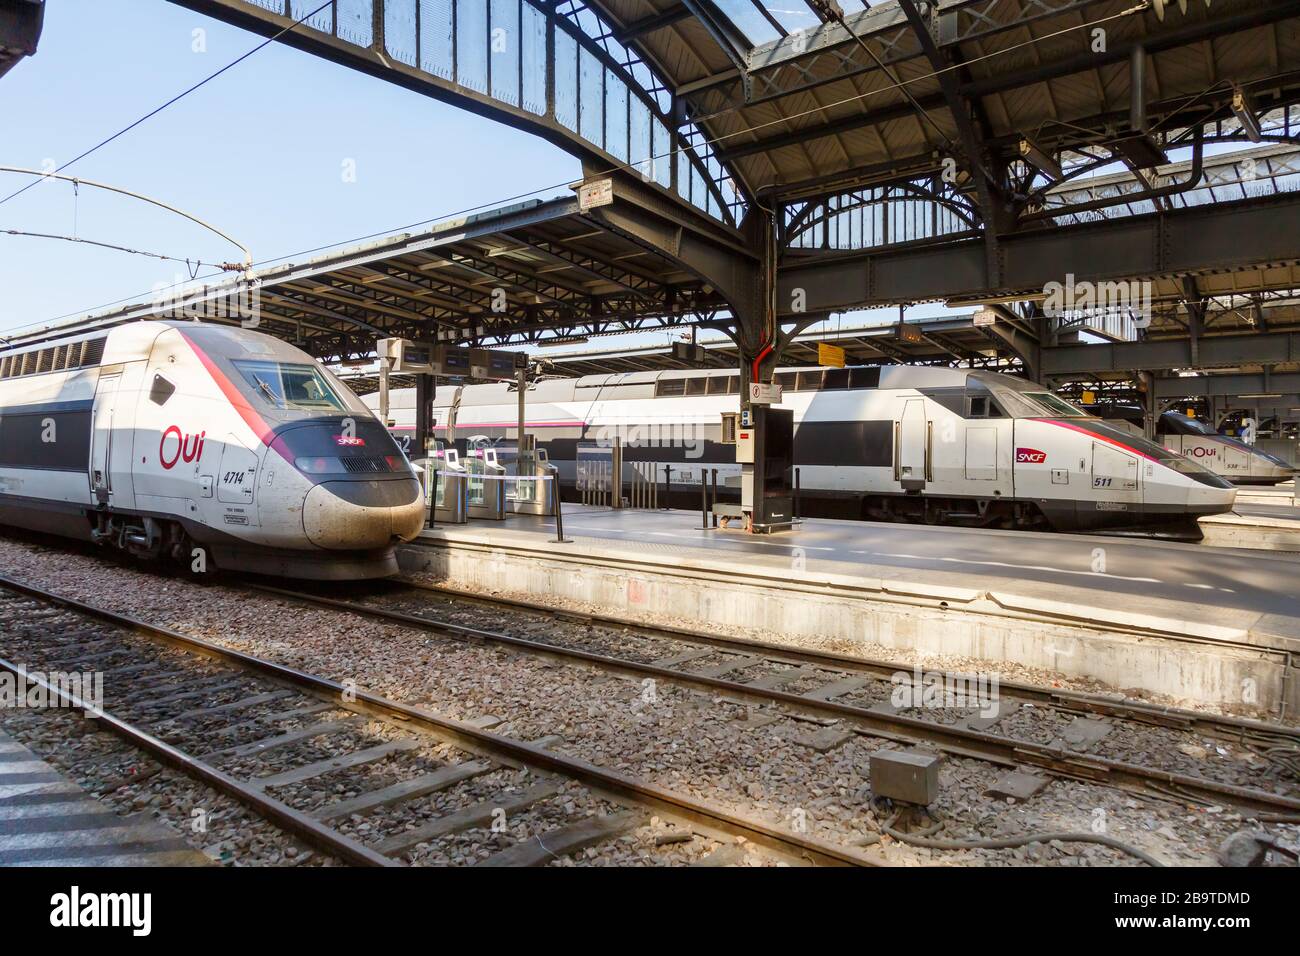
[(896, 442), (1240, 463), (183, 439)]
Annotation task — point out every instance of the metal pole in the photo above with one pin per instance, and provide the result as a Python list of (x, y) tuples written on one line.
[(704, 502), (796, 494), (715, 495), (519, 440), (559, 515), (433, 498), (668, 486)]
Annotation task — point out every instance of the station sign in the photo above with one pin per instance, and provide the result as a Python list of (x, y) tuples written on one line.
[(690, 353), (403, 355), (831, 356), (599, 192), (909, 333), (984, 317), (764, 393)]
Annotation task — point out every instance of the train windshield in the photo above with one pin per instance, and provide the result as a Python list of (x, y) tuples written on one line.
[(290, 385), (1055, 406)]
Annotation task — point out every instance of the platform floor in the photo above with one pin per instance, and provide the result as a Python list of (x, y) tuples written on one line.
[(47, 820), (1231, 587)]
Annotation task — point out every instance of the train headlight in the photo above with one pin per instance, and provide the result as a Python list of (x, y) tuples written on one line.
[(318, 466)]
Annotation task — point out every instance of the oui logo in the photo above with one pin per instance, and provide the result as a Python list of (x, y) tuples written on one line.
[(185, 448)]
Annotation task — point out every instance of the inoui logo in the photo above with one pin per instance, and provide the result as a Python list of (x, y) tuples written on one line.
[(74, 909), (183, 449)]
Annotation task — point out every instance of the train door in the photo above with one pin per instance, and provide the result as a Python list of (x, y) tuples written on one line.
[(101, 441), (981, 453), (911, 441), (238, 479), (1114, 474)]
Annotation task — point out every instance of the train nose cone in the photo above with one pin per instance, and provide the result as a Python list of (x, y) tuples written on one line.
[(359, 514)]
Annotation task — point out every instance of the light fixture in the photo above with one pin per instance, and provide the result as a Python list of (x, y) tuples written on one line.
[(1244, 110), (1040, 160)]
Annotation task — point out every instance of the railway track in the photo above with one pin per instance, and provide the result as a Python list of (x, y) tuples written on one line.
[(344, 769), (1062, 733)]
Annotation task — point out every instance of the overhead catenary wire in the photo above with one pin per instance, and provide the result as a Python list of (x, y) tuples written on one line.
[(635, 167), (175, 99), (103, 245)]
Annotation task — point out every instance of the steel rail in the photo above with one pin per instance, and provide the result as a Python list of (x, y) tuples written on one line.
[(472, 738), (314, 833), (954, 740), (1177, 718)]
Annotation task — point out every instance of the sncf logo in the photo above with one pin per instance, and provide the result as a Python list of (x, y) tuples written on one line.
[(1030, 456), (175, 446), (349, 441)]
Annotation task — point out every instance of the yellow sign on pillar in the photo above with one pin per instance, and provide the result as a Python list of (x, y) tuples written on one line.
[(830, 355)]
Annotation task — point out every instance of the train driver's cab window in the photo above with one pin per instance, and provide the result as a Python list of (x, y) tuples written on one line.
[(289, 385), (161, 390), (982, 406)]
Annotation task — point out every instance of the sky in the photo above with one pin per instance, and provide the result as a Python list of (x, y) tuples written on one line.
[(260, 153)]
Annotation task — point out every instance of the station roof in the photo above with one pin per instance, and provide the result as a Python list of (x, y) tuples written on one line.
[(793, 102), (20, 31), (534, 272)]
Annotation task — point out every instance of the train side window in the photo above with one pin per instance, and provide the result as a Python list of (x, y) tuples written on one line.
[(718, 384), (864, 377), (787, 381), (809, 381), (670, 386), (835, 378), (161, 390), (696, 386)]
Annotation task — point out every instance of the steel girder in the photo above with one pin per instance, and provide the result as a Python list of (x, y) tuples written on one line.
[(453, 57), (1185, 241), (1258, 348), (826, 54)]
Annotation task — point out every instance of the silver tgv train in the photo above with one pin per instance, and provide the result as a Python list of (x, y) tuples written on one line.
[(889, 443), (160, 438), (1240, 463)]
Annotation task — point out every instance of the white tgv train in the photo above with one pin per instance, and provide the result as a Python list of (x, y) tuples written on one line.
[(1240, 463), (889, 443), (160, 437)]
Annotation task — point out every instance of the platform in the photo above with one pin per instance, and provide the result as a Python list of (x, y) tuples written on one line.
[(1196, 623), (1263, 527), (47, 820)]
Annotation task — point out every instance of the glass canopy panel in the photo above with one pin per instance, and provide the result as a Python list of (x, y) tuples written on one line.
[(794, 15), (746, 18)]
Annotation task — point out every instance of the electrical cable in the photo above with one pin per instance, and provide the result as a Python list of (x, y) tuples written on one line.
[(92, 242), (174, 99)]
